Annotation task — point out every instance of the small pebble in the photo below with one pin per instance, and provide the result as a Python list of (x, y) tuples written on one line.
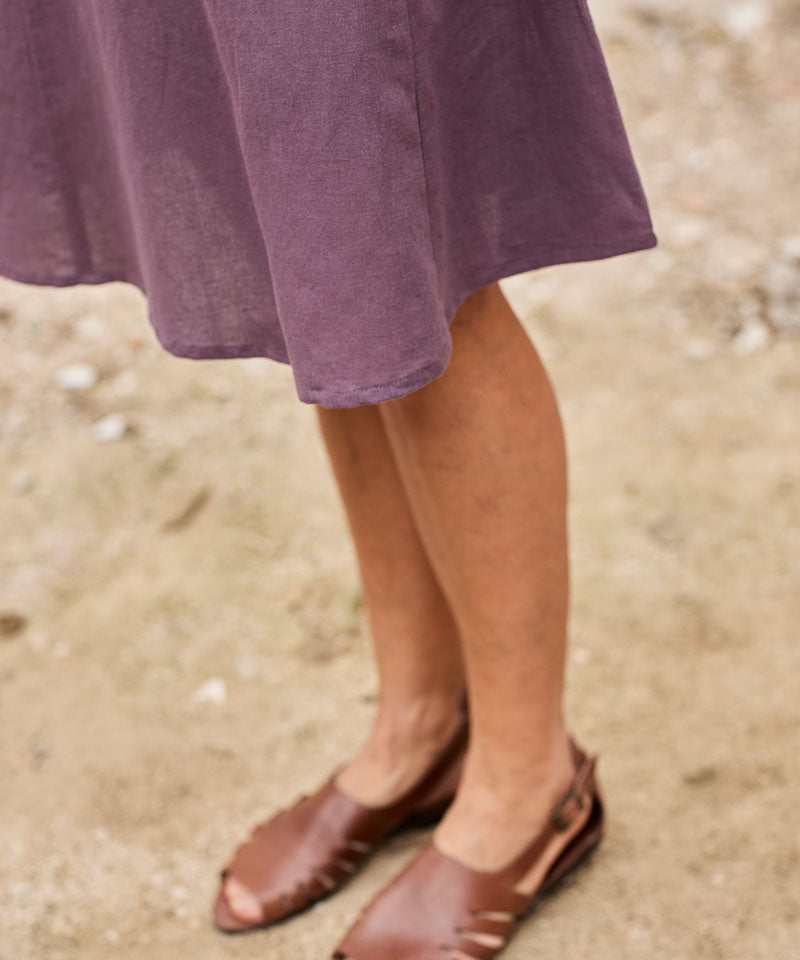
[(700, 776), (246, 667), (751, 337), (742, 20), (637, 932), (214, 690), (11, 623), (77, 376), (21, 481), (688, 230), (40, 751), (109, 428), (256, 366), (782, 287), (89, 327), (790, 247), (697, 348)]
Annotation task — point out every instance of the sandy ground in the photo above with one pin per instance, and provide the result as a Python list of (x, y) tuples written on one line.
[(182, 647)]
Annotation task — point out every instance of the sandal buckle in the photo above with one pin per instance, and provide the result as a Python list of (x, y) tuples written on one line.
[(557, 816)]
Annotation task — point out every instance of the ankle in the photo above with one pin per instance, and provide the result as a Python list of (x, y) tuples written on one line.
[(418, 720), (400, 748), (506, 777)]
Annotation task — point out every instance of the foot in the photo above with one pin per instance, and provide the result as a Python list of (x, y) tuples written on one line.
[(495, 813), (461, 899), (400, 749)]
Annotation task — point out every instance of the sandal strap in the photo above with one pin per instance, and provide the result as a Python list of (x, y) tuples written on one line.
[(562, 815), (439, 907), (427, 904), (308, 849)]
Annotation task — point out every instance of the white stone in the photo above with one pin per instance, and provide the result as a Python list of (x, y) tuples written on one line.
[(638, 932), (698, 348), (256, 366), (89, 326), (214, 690), (687, 230), (790, 247), (782, 286), (111, 427), (742, 20), (77, 376), (752, 336)]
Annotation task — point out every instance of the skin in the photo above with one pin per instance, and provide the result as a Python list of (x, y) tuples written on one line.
[(456, 497)]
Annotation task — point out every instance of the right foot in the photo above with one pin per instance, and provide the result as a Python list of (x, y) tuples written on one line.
[(395, 757)]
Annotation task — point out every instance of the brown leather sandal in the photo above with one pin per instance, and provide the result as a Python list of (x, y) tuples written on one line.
[(306, 852), (439, 909)]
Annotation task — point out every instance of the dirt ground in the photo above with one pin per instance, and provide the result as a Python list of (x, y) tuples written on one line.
[(182, 646)]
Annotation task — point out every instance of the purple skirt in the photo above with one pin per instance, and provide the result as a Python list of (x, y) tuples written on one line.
[(318, 182)]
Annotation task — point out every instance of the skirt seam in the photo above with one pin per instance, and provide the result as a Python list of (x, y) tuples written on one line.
[(421, 143)]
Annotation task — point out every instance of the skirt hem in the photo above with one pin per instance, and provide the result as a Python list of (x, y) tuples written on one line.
[(388, 390)]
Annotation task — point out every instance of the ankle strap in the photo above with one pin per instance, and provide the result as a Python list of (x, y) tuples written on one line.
[(561, 816)]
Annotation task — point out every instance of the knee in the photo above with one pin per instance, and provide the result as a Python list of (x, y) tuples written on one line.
[(477, 301)]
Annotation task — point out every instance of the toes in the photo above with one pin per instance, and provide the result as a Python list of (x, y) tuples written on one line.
[(241, 901), (224, 918)]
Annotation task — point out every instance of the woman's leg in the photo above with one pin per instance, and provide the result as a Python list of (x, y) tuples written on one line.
[(415, 641), (482, 457), (481, 460)]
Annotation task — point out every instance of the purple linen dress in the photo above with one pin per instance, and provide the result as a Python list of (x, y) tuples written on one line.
[(321, 182)]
